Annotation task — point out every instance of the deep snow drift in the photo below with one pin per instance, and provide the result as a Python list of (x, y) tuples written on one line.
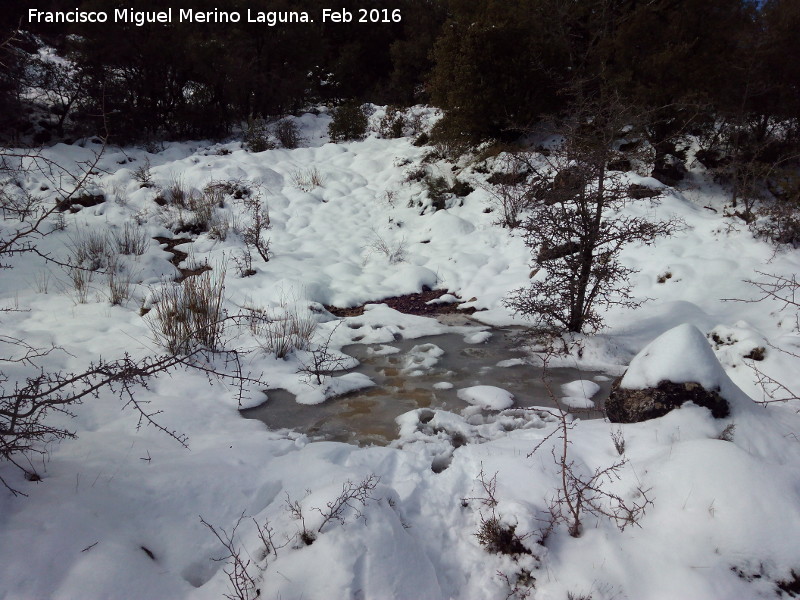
[(117, 513)]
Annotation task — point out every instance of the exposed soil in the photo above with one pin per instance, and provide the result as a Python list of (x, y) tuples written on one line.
[(412, 304), (73, 205), (178, 256)]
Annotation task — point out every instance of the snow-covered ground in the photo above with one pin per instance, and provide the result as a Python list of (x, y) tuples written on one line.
[(118, 511)]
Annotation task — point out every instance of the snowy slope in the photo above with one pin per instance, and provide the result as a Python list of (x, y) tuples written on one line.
[(725, 515)]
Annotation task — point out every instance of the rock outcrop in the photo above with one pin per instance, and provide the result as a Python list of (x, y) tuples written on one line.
[(632, 406)]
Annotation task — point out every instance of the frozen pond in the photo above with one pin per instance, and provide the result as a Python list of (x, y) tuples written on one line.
[(425, 372)]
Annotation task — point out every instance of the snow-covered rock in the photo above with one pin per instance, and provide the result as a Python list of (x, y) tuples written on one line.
[(679, 366)]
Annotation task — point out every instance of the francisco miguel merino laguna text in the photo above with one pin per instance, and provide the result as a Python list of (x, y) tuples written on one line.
[(185, 15)]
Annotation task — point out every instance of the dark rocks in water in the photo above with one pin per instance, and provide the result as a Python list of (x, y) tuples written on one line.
[(636, 405)]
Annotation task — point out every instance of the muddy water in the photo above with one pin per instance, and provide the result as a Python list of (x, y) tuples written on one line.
[(416, 373)]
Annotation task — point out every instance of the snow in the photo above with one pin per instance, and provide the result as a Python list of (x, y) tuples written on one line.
[(719, 507), (478, 337), (487, 396), (680, 355), (578, 394)]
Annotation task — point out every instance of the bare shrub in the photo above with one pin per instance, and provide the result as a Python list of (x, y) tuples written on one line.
[(390, 197), (586, 493), (90, 250), (189, 314), (214, 194), (176, 192), (235, 188), (785, 290), (41, 282), (618, 439), (256, 225), (143, 175), (59, 222), (395, 252), (581, 494), (132, 240), (288, 329), (493, 534), (18, 203), (576, 231), (202, 207), (243, 586), (507, 195), (779, 215), (244, 262), (353, 497), (307, 180), (119, 282), (197, 213), (80, 280), (321, 360)]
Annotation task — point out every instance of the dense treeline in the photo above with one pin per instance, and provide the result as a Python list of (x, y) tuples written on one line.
[(495, 66), (198, 79)]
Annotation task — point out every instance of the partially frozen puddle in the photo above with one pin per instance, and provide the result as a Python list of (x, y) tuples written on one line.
[(426, 372)]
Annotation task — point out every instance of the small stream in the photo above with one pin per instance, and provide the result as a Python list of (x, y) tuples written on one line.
[(417, 373)]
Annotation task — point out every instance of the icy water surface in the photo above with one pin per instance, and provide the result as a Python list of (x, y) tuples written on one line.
[(416, 373)]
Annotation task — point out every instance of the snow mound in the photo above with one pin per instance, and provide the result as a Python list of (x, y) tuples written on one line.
[(487, 396), (577, 393), (421, 359), (511, 362), (682, 355), (478, 337)]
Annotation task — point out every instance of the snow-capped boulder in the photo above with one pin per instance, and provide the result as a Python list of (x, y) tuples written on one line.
[(679, 366)]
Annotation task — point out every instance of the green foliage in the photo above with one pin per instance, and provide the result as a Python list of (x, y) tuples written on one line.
[(288, 133), (349, 123), (392, 123), (256, 137), (492, 66), (438, 189)]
